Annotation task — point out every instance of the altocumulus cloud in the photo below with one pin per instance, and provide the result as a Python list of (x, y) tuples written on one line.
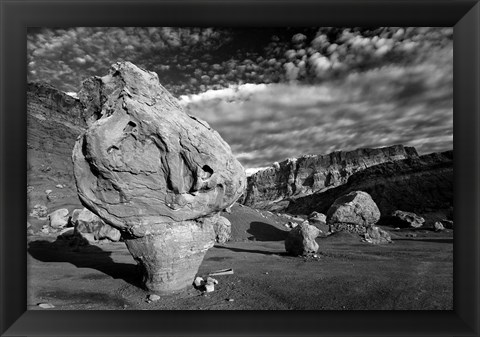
[(395, 104)]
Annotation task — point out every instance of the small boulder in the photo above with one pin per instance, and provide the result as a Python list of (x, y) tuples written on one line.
[(153, 297), (223, 230), (85, 222), (438, 226), (353, 212), (318, 220), (447, 223), (198, 282), (377, 236), (58, 218), (407, 219), (301, 240)]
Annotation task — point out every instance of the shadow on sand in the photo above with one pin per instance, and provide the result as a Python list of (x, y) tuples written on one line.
[(252, 251), (265, 232), (88, 256)]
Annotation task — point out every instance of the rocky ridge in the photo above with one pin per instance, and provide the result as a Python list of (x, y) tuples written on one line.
[(270, 188)]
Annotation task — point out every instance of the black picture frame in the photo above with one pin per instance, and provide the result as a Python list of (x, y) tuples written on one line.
[(17, 15)]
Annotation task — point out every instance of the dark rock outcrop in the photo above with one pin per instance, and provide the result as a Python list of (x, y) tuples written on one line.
[(154, 172), (269, 188), (406, 219), (414, 185), (353, 212), (301, 240)]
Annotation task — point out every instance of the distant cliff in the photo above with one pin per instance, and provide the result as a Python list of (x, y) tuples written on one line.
[(423, 184), (270, 188)]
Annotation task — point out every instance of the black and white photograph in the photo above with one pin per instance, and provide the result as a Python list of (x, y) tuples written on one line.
[(222, 168)]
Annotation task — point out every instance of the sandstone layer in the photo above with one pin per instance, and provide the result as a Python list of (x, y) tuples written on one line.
[(270, 188), (416, 185), (153, 172)]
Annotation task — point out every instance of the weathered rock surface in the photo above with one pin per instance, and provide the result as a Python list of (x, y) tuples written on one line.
[(58, 218), (154, 172), (223, 229), (309, 174), (89, 225), (438, 226), (377, 236), (407, 219), (301, 240), (318, 220), (413, 185), (353, 212)]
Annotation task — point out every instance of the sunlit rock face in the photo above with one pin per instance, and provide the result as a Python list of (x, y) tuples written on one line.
[(145, 163)]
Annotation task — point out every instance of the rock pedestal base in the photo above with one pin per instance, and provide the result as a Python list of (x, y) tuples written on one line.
[(171, 253)]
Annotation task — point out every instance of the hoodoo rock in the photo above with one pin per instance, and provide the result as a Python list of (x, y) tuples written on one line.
[(155, 173), (353, 212)]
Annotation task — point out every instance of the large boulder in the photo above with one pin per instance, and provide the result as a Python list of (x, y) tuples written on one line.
[(223, 229), (301, 240), (407, 219), (89, 226), (145, 166), (353, 212), (58, 218)]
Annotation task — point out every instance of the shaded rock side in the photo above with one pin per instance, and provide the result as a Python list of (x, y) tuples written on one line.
[(414, 185), (353, 212), (313, 173), (301, 240), (89, 226), (145, 161)]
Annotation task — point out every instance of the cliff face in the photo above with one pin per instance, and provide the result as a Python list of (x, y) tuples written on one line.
[(420, 185), (309, 174), (54, 121)]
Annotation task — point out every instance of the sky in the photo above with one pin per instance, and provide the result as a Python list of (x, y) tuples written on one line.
[(277, 93)]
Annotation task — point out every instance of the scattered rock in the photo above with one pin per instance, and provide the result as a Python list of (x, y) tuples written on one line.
[(301, 240), (411, 235), (58, 218), (209, 287), (39, 212), (46, 305), (223, 229), (447, 223), (153, 297), (85, 222), (353, 212), (377, 236), (438, 226), (230, 299), (198, 282), (47, 192), (291, 224), (154, 172), (407, 219), (59, 186), (211, 280)]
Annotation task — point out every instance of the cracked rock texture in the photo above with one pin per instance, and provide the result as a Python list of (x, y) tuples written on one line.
[(271, 188), (353, 212), (154, 172), (301, 240)]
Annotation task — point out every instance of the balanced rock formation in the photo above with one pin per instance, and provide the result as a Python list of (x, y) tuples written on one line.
[(353, 212), (89, 226), (223, 229), (270, 188), (407, 219), (155, 173), (301, 240), (377, 236)]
